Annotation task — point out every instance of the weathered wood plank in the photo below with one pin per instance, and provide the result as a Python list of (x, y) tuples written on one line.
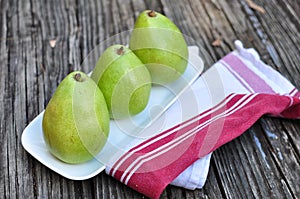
[(17, 179), (284, 150), (276, 23)]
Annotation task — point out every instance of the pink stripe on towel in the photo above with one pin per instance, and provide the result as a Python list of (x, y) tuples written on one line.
[(244, 74)]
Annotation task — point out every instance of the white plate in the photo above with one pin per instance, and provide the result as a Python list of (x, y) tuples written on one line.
[(33, 141)]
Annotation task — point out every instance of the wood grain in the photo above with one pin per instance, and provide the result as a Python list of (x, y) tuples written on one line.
[(262, 163)]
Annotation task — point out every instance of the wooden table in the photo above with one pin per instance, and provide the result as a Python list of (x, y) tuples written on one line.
[(42, 41)]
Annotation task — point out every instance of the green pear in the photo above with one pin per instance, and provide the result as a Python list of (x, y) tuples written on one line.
[(160, 45), (76, 120), (124, 81)]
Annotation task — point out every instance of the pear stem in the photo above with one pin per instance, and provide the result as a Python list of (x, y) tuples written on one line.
[(78, 77), (152, 13), (120, 51)]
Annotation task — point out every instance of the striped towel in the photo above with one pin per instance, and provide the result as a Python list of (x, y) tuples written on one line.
[(219, 106)]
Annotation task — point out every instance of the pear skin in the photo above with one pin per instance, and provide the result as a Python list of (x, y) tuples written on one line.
[(76, 120), (160, 45), (124, 81)]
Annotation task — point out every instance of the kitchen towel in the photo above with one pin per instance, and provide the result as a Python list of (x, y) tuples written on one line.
[(219, 106)]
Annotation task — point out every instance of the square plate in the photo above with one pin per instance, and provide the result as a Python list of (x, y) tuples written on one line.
[(162, 96)]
